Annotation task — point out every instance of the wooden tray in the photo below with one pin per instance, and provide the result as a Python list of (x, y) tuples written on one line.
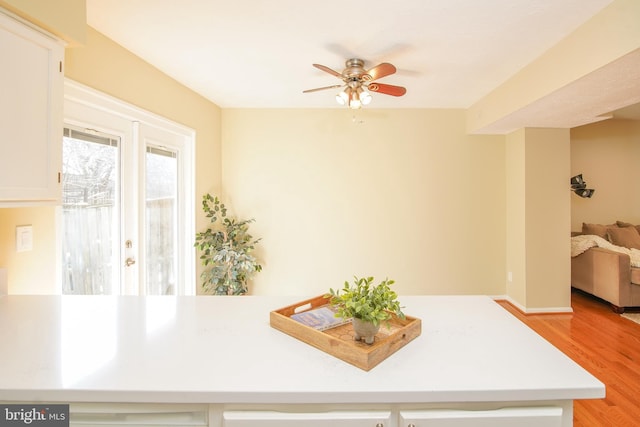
[(339, 341)]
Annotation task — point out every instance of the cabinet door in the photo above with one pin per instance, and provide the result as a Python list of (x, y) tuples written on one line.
[(31, 81), (543, 416), (137, 414), (312, 419)]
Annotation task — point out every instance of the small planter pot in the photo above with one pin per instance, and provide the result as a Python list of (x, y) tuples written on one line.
[(365, 331)]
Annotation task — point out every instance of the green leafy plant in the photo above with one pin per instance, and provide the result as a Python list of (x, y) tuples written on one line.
[(226, 247), (365, 301)]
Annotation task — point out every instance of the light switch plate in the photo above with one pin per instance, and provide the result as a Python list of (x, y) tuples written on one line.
[(24, 238)]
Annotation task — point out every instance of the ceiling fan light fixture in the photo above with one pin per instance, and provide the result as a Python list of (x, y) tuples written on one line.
[(365, 96), (343, 97), (354, 100)]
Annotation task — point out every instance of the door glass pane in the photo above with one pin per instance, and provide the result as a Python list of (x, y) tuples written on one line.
[(161, 221), (90, 214)]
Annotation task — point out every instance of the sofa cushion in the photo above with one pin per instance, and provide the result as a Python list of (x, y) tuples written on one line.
[(627, 237), (627, 224), (596, 229), (635, 276)]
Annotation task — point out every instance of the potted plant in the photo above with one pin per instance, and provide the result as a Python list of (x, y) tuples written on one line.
[(226, 251), (367, 304)]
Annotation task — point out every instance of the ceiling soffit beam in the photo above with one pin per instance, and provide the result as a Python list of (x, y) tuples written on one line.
[(589, 99), (594, 47)]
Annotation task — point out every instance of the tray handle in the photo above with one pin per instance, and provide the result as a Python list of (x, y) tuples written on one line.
[(305, 305)]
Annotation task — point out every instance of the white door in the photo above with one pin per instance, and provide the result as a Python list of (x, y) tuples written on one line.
[(91, 212), (127, 219), (161, 219)]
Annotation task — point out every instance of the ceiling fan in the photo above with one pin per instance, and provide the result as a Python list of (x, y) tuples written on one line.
[(358, 82)]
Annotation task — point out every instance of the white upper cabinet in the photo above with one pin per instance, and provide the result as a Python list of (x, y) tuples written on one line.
[(31, 99)]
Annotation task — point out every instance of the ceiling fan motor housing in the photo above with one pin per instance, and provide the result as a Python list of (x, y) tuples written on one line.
[(354, 70)]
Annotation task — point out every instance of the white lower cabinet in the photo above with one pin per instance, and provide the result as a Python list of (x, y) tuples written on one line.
[(504, 417), (307, 419), (138, 414), (220, 415)]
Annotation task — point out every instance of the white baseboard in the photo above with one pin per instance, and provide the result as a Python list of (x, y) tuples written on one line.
[(535, 310)]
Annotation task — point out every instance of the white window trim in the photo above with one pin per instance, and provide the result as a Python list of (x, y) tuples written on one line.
[(81, 94)]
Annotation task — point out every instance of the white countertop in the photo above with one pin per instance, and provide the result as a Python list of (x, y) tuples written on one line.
[(222, 350)]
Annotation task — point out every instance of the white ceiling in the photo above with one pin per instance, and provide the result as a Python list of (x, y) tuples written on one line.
[(258, 53)]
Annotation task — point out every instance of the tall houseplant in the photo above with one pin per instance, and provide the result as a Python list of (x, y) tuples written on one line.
[(226, 247)]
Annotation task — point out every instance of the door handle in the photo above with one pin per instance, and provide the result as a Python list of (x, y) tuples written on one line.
[(129, 262)]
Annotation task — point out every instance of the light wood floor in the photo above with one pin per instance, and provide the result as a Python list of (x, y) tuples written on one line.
[(606, 345)]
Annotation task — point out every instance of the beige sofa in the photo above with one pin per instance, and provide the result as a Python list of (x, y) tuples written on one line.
[(608, 274)]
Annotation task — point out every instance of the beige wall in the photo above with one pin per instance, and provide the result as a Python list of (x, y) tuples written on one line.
[(65, 18), (31, 272), (107, 67), (538, 210), (547, 219), (516, 271), (405, 195), (607, 155)]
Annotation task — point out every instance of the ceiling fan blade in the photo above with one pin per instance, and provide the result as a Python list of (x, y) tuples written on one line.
[(387, 89), (327, 70), (379, 71), (321, 88)]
